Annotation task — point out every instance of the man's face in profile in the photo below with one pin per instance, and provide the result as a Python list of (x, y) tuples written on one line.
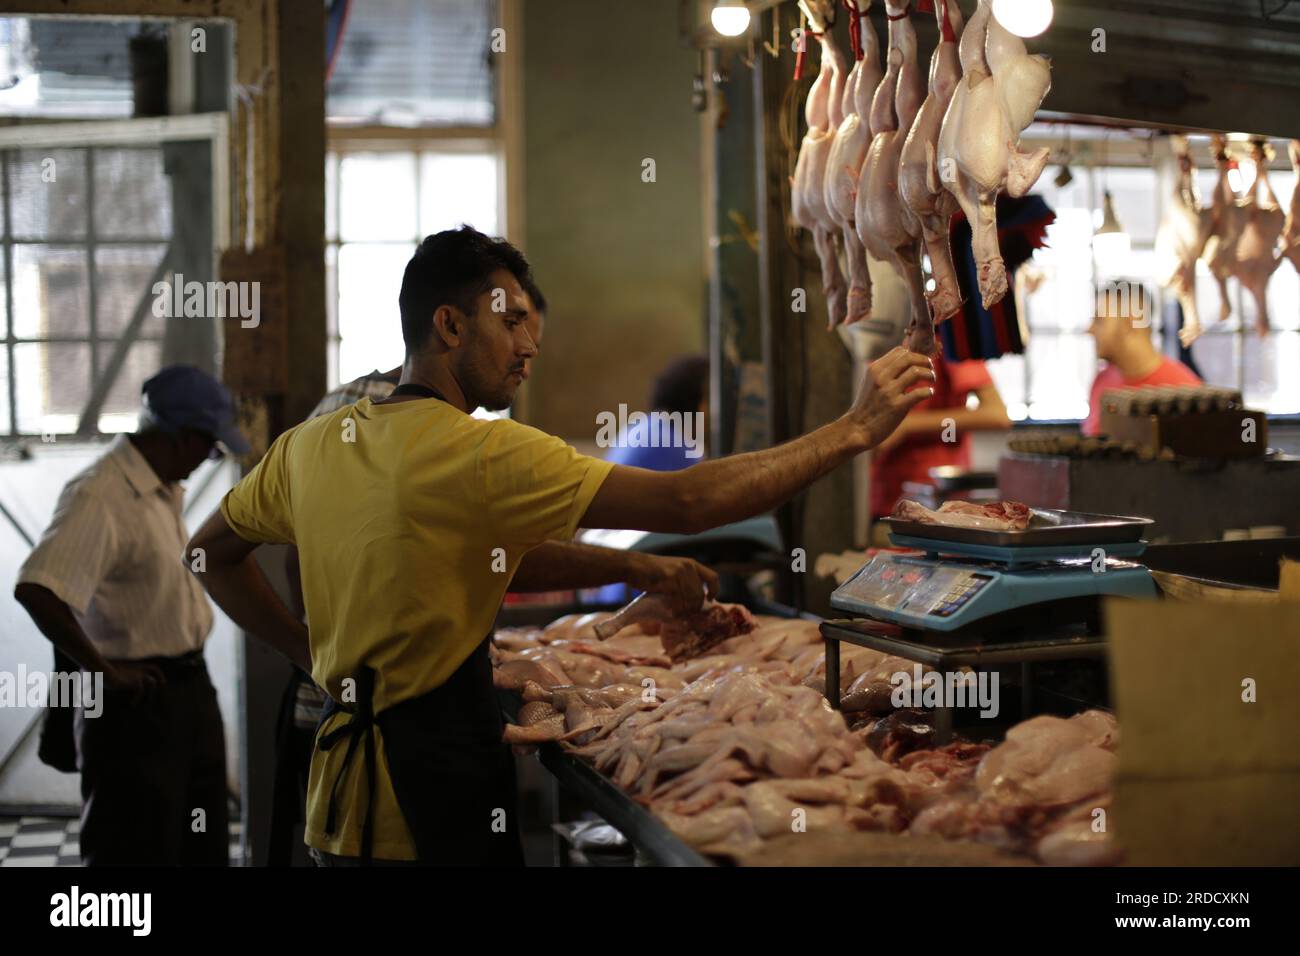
[(499, 344)]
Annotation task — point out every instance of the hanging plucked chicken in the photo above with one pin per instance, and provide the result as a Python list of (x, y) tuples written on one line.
[(918, 173), (979, 153), (848, 152), (1180, 239), (822, 111), (887, 228)]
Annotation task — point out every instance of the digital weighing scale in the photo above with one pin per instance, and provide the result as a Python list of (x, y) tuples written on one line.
[(978, 598)]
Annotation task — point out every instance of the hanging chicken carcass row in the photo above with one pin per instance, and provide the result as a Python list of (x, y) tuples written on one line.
[(918, 172), (808, 188), (848, 152), (1221, 224), (1180, 239), (1242, 234), (1254, 255), (886, 227), (979, 154), (1291, 228)]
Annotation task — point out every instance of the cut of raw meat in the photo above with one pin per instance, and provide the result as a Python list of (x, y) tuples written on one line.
[(683, 637), (994, 516)]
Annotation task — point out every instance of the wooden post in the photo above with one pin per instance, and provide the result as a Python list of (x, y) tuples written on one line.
[(809, 370)]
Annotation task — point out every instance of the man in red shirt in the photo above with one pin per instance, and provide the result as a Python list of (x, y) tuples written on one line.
[(1122, 328), (937, 431)]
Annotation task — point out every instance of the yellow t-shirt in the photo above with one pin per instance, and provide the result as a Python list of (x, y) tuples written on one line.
[(410, 521)]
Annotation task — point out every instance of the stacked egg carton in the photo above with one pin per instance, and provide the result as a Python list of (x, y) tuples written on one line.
[(1171, 400), (1186, 421)]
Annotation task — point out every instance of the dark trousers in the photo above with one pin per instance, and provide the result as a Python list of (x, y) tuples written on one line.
[(294, 746), (148, 765)]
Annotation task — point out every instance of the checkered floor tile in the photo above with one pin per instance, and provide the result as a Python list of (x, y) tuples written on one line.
[(54, 841)]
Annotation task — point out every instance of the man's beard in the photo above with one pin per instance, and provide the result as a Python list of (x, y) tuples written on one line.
[(485, 392), (501, 400)]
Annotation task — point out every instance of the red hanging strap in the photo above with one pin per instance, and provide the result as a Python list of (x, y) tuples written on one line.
[(798, 57), (855, 28), (927, 6), (949, 35)]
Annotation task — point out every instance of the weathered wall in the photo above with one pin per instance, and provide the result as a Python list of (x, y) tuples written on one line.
[(620, 260)]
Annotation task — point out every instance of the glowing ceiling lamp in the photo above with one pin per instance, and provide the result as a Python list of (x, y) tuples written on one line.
[(730, 17), (1024, 18)]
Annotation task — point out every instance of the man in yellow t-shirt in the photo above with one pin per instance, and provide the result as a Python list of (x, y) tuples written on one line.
[(412, 517)]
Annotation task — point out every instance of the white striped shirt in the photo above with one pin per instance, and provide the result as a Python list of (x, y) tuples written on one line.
[(114, 553)]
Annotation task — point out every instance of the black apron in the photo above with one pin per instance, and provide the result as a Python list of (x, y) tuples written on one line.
[(453, 776)]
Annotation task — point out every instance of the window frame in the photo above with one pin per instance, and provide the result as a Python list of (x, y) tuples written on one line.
[(503, 138), (91, 135)]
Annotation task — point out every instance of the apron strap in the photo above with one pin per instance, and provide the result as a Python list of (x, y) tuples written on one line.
[(360, 726)]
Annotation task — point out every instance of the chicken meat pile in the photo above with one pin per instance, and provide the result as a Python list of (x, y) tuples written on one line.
[(739, 745)]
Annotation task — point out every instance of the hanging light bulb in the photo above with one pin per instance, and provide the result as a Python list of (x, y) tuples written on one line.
[(730, 17), (1110, 243), (1024, 18)]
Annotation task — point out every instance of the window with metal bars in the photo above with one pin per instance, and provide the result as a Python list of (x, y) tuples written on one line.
[(83, 231)]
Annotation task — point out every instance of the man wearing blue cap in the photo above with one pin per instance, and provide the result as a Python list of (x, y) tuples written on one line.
[(109, 585)]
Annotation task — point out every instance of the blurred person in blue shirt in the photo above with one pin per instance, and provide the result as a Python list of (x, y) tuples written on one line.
[(671, 436), (681, 388)]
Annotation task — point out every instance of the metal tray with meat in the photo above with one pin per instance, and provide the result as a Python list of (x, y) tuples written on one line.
[(1015, 525)]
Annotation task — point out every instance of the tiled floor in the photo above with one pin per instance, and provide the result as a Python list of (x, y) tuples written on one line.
[(53, 841)]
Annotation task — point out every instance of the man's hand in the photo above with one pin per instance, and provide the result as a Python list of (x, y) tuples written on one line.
[(885, 397), (895, 438), (682, 582)]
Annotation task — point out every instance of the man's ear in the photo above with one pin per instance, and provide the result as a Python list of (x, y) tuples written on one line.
[(449, 324)]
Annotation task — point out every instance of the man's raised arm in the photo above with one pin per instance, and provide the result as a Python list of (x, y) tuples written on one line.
[(729, 489)]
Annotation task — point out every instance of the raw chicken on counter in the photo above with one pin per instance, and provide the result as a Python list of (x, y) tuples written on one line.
[(683, 636), (993, 516), (731, 748), (979, 143), (1040, 789)]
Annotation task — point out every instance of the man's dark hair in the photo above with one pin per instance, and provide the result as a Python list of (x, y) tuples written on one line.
[(682, 385), (453, 267), (534, 293)]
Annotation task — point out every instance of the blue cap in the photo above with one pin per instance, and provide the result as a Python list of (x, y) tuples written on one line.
[(182, 396)]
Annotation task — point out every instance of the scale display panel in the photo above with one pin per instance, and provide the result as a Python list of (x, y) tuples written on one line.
[(950, 593), (919, 588)]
